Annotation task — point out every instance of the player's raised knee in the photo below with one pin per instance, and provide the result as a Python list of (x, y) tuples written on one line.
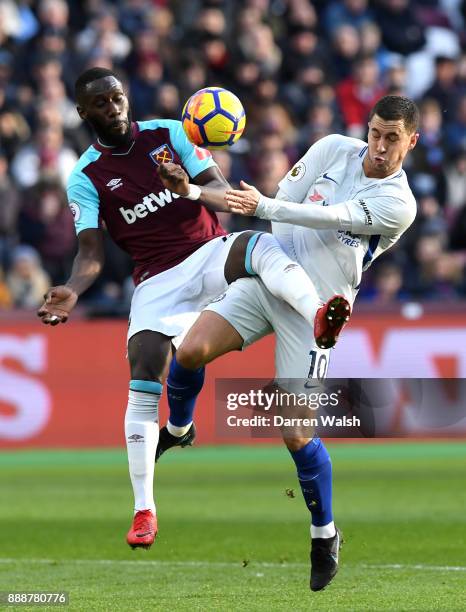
[(193, 354)]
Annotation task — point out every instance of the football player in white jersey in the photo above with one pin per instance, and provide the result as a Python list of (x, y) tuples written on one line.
[(340, 206)]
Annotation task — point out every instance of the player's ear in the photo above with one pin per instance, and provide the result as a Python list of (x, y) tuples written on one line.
[(81, 112), (413, 141)]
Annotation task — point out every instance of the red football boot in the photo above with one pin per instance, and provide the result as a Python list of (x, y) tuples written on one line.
[(143, 530), (329, 321)]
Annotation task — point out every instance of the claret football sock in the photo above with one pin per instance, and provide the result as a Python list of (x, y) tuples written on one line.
[(183, 387), (142, 434), (315, 477), (282, 276)]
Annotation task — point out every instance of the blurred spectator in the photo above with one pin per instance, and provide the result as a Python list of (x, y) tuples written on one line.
[(458, 231), (395, 77), (134, 16), (387, 284), (193, 76), (426, 163), (434, 273), (346, 46), (103, 34), (144, 86), (26, 280), (215, 54), (47, 156), (353, 12), (6, 301), (167, 102), (445, 88), (321, 121), (357, 94), (456, 182), (46, 223), (9, 207), (456, 130), (52, 94), (53, 14), (14, 130), (399, 23)]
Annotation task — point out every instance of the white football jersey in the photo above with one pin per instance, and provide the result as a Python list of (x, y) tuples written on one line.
[(378, 211)]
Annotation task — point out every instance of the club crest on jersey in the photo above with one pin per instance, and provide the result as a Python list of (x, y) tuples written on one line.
[(162, 155)]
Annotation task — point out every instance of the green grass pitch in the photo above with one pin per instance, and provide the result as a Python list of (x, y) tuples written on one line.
[(230, 538)]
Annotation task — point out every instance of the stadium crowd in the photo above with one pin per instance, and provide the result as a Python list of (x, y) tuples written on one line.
[(302, 70)]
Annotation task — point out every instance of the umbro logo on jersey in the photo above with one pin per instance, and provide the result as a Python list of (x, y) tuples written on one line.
[(150, 203), (115, 183)]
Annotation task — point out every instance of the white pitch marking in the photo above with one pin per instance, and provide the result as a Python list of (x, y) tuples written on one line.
[(419, 566), (393, 566)]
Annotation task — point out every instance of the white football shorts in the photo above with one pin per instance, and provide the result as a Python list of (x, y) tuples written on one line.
[(171, 301), (254, 312)]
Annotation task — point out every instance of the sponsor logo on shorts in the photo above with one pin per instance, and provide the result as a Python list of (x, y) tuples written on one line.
[(75, 211), (162, 155), (368, 219), (297, 172)]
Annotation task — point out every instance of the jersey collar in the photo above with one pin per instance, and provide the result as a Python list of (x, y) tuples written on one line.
[(121, 150)]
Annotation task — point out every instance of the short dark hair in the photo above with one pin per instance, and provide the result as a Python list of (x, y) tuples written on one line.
[(393, 108), (88, 76)]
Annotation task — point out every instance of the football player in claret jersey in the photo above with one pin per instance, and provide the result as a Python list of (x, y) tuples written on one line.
[(342, 205), (182, 256)]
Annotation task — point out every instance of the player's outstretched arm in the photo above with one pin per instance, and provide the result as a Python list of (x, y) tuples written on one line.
[(374, 215), (209, 186), (249, 201), (88, 263)]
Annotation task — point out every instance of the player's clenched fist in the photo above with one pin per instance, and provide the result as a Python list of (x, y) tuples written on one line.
[(243, 201), (59, 302), (174, 178)]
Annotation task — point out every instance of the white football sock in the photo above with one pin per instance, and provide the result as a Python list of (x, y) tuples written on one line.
[(174, 430), (142, 436), (326, 531), (284, 278)]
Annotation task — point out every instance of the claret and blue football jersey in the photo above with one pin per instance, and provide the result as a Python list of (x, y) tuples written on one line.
[(120, 187)]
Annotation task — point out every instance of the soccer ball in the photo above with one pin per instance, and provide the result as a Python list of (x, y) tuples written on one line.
[(213, 118)]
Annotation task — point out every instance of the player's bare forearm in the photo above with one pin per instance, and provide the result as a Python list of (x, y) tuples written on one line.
[(213, 196), (86, 269), (88, 263), (211, 182)]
